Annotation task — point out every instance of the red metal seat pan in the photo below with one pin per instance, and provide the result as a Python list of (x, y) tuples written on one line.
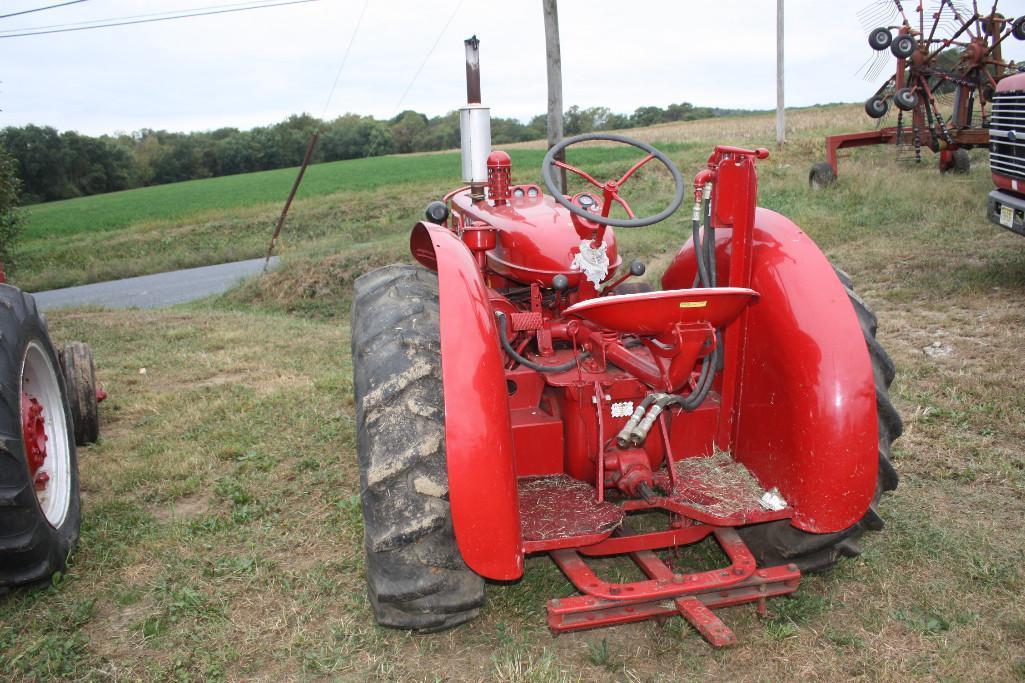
[(652, 313)]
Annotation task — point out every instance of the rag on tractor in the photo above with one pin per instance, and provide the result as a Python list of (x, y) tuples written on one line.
[(512, 400)]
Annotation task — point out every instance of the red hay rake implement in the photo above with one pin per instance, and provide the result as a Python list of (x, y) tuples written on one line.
[(948, 63)]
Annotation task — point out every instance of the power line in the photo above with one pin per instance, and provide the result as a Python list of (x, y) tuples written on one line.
[(427, 56), (149, 21), (133, 16), (40, 9), (345, 57), (312, 143)]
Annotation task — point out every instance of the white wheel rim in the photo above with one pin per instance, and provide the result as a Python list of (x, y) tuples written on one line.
[(39, 381)]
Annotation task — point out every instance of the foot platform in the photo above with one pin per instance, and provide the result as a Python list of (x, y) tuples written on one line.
[(667, 593), (559, 511), (715, 490)]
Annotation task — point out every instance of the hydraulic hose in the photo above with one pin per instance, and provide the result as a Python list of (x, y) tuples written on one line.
[(635, 431), (699, 251), (708, 241), (623, 438), (504, 340)]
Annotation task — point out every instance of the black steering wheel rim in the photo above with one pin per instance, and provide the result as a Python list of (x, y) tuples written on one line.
[(546, 175)]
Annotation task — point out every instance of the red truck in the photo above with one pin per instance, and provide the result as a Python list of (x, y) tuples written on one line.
[(1006, 205)]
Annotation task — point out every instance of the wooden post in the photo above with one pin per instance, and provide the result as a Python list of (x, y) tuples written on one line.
[(781, 125), (551, 12)]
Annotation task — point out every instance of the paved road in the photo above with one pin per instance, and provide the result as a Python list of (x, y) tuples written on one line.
[(154, 291)]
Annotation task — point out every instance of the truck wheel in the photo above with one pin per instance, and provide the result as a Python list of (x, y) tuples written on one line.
[(80, 379), (39, 495), (415, 574), (775, 543), (821, 175)]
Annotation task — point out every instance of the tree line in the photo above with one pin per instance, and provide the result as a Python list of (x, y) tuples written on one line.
[(60, 165)]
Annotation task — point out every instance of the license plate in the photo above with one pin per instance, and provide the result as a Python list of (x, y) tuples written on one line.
[(1007, 216)]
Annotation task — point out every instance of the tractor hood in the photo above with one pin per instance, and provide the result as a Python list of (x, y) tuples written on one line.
[(536, 239)]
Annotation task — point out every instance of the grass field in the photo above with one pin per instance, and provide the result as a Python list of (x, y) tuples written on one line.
[(222, 532), (200, 222)]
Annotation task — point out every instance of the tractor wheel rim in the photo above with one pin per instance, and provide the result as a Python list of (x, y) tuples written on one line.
[(45, 435)]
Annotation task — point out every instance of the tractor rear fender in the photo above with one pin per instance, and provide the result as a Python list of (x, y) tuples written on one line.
[(478, 434), (806, 407)]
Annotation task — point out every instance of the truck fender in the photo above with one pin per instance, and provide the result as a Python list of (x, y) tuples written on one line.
[(806, 413), (478, 434)]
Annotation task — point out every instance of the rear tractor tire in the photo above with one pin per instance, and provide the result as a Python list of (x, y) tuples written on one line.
[(775, 543), (416, 576), (40, 509), (80, 379)]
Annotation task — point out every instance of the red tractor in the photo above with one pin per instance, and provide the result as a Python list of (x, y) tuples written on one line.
[(512, 400)]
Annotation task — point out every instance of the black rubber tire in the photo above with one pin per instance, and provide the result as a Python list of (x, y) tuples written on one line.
[(876, 107), (415, 574), (903, 46), (961, 162), (633, 288), (821, 175), (879, 39), (30, 548), (776, 543), (80, 379), (1018, 28), (905, 99)]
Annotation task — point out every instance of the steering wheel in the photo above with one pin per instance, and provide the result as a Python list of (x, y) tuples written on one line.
[(610, 189)]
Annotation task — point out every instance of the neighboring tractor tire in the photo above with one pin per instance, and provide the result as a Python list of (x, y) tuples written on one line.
[(905, 99), (821, 175), (80, 379), (39, 494), (903, 46), (416, 576), (880, 38), (876, 107), (776, 543)]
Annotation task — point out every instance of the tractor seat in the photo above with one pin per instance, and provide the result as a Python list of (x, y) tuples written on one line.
[(652, 313)]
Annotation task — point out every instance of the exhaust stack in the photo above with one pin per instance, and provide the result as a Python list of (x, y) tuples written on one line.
[(474, 126)]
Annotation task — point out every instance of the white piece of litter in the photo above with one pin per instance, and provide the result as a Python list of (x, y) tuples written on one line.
[(772, 500)]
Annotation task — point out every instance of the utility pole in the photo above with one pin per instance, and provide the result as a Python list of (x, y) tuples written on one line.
[(781, 125), (551, 12)]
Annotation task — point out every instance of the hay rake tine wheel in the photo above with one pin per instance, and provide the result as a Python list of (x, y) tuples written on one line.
[(944, 80)]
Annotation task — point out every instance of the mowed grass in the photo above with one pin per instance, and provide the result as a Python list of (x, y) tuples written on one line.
[(201, 222), (222, 536)]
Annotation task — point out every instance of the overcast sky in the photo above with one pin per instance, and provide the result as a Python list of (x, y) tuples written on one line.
[(254, 68)]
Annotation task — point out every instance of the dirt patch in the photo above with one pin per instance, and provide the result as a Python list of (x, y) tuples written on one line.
[(184, 509), (114, 631)]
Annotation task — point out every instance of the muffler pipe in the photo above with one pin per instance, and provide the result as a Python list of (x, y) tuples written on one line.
[(474, 126)]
